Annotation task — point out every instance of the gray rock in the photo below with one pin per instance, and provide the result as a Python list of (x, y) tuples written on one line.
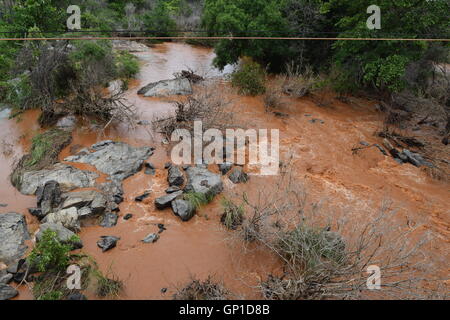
[(180, 86), (86, 198), (175, 176), (107, 242), (203, 181), (142, 197), (3, 205), (415, 159), (64, 235), (13, 233), (152, 237), (183, 209), (117, 159), (164, 201), (48, 197), (225, 167), (109, 220), (66, 217), (6, 278), (68, 177), (37, 212), (238, 175), (172, 189), (149, 169), (7, 292), (84, 212), (67, 123)]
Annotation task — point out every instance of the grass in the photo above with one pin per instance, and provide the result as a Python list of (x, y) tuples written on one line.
[(197, 199), (44, 152), (108, 287), (233, 215)]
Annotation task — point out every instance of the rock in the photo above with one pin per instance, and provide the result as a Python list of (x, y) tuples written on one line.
[(6, 278), (86, 198), (172, 87), (76, 296), (7, 292), (84, 212), (19, 277), (3, 205), (149, 169), (127, 216), (117, 159), (317, 120), (48, 197), (416, 159), (225, 167), (66, 217), (142, 197), (167, 165), (203, 181), (183, 209), (67, 123), (68, 177), (16, 266), (164, 201), (238, 175), (13, 233), (172, 189), (37, 212), (113, 189), (161, 227), (109, 220), (185, 166), (107, 242), (364, 143), (64, 235), (152, 237), (175, 176)]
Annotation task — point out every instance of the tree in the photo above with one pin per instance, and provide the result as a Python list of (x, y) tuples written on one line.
[(247, 18)]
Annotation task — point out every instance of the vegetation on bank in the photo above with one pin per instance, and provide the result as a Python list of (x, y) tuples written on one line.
[(44, 152), (50, 259)]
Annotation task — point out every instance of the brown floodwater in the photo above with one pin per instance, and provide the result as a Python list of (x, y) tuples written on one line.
[(322, 160)]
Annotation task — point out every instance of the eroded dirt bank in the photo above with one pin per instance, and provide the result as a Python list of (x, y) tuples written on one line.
[(355, 184)]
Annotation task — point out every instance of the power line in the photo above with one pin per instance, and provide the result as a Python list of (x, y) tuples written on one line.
[(225, 38)]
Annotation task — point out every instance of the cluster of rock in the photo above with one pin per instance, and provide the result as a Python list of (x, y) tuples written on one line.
[(406, 156), (62, 210), (196, 179)]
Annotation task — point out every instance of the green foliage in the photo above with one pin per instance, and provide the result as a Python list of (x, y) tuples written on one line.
[(159, 20), (249, 78), (197, 199), (49, 253), (127, 65), (52, 295), (108, 287), (237, 18)]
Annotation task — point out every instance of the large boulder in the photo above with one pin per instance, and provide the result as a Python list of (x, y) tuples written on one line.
[(48, 197), (7, 292), (175, 176), (183, 209), (201, 180), (13, 233), (67, 217), (164, 201), (64, 235), (180, 86), (117, 159), (68, 177), (93, 199)]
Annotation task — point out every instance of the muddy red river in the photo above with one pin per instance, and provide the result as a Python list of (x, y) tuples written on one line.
[(321, 159)]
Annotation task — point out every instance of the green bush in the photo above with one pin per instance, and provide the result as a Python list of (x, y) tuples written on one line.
[(49, 253), (127, 65), (197, 199), (249, 78)]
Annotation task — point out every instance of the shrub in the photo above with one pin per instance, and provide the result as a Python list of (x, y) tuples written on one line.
[(202, 290), (127, 65), (233, 215), (50, 253), (108, 287), (249, 78)]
